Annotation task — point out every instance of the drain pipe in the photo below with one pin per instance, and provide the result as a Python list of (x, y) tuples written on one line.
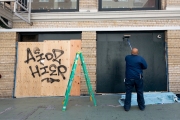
[(15, 69), (167, 67)]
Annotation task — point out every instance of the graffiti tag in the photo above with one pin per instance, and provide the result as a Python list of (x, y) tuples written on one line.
[(52, 70)]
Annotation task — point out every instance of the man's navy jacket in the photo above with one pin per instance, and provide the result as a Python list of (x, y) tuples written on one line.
[(134, 66)]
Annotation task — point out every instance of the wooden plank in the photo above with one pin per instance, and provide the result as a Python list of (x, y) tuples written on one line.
[(26, 84), (33, 84), (47, 88), (61, 66), (75, 47), (18, 89), (25, 78)]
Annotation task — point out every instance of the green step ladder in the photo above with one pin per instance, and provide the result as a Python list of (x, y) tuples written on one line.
[(71, 78)]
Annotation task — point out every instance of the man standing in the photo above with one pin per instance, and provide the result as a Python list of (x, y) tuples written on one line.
[(134, 77)]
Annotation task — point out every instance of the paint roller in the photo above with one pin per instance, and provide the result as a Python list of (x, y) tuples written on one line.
[(126, 37)]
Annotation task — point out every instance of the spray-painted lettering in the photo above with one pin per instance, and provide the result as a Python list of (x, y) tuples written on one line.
[(52, 70)]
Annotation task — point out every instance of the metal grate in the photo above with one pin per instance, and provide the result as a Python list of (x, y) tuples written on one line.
[(19, 8)]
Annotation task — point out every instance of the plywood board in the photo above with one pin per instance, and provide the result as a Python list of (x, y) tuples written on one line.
[(75, 47), (43, 68), (26, 84), (59, 67)]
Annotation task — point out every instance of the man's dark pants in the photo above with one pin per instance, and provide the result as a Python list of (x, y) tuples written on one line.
[(129, 84)]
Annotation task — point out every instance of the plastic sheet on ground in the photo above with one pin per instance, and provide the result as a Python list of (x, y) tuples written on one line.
[(152, 98)]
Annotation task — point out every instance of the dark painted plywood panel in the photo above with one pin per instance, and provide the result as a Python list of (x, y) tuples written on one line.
[(111, 51)]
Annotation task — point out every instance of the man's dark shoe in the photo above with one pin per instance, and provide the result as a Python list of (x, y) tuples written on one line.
[(126, 110), (142, 109)]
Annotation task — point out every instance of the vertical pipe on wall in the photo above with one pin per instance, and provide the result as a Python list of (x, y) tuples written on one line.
[(167, 74), (15, 69)]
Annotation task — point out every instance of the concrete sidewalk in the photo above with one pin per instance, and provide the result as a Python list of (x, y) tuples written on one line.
[(80, 108)]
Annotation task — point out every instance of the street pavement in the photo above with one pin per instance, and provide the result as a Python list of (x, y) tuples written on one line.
[(81, 108)]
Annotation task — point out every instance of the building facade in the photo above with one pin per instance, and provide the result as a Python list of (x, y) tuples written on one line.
[(101, 24)]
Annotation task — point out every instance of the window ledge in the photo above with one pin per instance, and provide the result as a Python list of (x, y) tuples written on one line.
[(108, 15)]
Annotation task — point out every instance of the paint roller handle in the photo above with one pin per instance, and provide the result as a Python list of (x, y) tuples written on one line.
[(129, 44)]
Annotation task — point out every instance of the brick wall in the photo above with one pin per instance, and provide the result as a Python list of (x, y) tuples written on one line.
[(163, 4), (89, 53), (98, 23), (173, 41), (173, 2), (7, 63), (88, 4)]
